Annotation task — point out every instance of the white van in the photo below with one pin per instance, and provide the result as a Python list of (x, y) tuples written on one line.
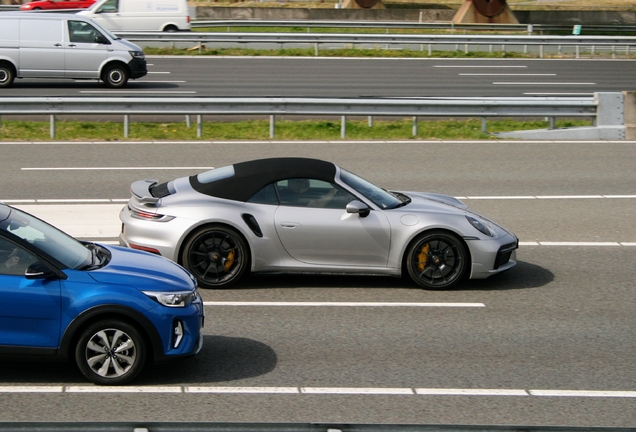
[(140, 15), (65, 46)]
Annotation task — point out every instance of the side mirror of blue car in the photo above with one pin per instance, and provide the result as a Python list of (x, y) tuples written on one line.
[(38, 270)]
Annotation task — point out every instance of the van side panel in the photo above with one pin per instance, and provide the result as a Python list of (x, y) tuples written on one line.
[(41, 48), (148, 15), (9, 30)]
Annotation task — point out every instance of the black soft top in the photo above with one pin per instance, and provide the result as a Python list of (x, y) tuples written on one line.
[(252, 176)]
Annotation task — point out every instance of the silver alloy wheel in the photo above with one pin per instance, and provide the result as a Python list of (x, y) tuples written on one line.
[(110, 353)]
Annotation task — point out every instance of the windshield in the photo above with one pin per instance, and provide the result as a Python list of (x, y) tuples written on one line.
[(376, 194), (50, 240)]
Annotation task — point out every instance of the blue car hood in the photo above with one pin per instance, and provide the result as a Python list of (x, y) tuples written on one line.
[(142, 270)]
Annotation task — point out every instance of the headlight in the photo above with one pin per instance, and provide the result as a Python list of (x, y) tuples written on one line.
[(172, 299), (137, 55), (479, 226)]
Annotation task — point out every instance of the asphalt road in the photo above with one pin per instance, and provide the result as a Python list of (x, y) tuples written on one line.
[(550, 342), (324, 77)]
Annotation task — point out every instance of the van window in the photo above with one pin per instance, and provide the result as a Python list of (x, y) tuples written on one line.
[(37, 30), (82, 32), (109, 6)]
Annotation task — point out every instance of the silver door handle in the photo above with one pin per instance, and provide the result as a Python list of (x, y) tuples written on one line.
[(289, 224)]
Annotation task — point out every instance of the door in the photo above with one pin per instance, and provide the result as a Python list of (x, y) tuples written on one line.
[(108, 15), (30, 310), (86, 50), (315, 228), (41, 48)]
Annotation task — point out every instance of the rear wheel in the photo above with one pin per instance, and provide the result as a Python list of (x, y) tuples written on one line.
[(216, 255), (7, 74), (110, 352), (171, 28), (437, 260), (115, 76)]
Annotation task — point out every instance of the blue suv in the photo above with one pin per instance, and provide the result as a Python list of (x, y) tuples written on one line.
[(111, 309)]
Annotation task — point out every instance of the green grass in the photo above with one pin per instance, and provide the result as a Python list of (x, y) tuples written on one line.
[(259, 130)]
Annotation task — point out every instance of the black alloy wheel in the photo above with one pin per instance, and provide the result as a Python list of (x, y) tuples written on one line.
[(7, 74), (437, 260), (115, 76), (110, 352), (217, 256)]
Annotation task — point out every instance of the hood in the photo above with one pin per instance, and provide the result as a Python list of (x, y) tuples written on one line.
[(430, 202), (143, 270)]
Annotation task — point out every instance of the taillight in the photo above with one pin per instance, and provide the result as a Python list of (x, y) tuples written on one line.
[(144, 215)]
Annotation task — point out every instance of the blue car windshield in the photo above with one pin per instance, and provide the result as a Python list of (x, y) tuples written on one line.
[(50, 240), (379, 196)]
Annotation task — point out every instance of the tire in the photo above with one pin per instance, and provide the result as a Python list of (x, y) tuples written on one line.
[(110, 352), (437, 260), (216, 256), (7, 74), (171, 29), (115, 76)]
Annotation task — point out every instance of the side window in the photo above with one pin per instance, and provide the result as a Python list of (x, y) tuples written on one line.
[(267, 195), (109, 6), (13, 259), (82, 32), (302, 192)]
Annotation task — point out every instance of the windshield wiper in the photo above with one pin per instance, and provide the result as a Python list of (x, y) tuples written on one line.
[(405, 200)]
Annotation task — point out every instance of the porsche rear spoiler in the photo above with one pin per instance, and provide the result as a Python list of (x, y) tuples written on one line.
[(141, 190)]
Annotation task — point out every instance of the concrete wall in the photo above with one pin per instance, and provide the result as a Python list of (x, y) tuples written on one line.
[(524, 17)]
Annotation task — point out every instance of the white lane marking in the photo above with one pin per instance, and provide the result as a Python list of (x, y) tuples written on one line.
[(139, 389), (342, 304), (582, 393), (558, 94), (243, 390), (356, 391), (135, 91), (504, 74), (541, 83), (469, 392), (163, 82), (322, 391), (576, 244), (479, 66), (111, 168)]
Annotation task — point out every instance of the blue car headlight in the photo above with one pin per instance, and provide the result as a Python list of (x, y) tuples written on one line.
[(172, 299), (479, 226)]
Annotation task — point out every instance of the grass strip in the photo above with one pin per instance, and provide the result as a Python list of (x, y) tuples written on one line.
[(356, 129)]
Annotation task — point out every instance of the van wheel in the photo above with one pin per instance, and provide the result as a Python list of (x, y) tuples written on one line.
[(171, 29), (7, 74), (115, 76)]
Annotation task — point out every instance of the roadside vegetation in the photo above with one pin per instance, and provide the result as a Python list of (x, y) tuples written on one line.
[(357, 129)]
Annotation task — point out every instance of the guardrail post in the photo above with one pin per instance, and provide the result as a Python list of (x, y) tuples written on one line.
[(0, 122), (370, 121), (272, 126), (484, 125), (199, 126), (343, 127), (126, 125), (630, 114), (613, 51), (430, 50), (52, 126), (415, 126), (316, 50), (188, 121), (552, 121), (578, 52), (540, 51)]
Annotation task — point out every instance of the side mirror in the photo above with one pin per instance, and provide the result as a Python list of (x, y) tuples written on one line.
[(101, 40), (359, 208), (38, 270)]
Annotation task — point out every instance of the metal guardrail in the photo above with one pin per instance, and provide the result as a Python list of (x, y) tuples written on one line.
[(550, 107), (375, 39), (438, 25)]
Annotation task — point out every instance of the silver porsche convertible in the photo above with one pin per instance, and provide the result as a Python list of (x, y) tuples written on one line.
[(297, 215)]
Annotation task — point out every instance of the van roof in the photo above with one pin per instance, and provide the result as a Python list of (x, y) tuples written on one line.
[(41, 15)]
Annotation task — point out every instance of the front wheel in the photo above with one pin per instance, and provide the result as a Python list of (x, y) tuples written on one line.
[(217, 256), (110, 352), (115, 76), (7, 75), (437, 260)]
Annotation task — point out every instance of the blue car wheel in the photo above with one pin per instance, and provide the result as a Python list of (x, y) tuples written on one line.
[(110, 352)]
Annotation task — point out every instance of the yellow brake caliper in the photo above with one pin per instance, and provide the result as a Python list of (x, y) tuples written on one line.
[(421, 257), (229, 260)]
